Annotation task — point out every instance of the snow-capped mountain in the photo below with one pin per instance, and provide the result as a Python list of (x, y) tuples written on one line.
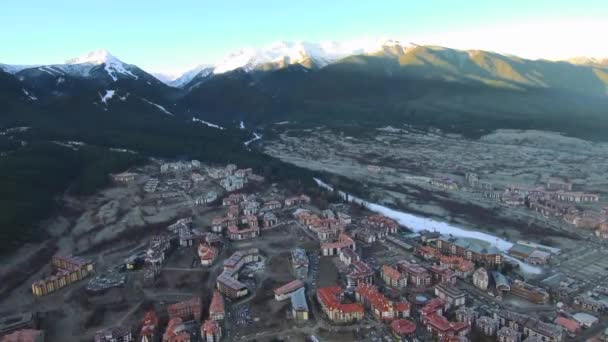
[(83, 65), (201, 71), (315, 55)]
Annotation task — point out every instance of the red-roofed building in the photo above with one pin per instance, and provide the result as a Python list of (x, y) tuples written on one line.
[(333, 248), (217, 310), (24, 335), (285, 291), (403, 329), (176, 331), (434, 306), (330, 299), (211, 331), (149, 327), (417, 275), (440, 327), (442, 275), (571, 326), (360, 273), (380, 306), (185, 310), (393, 278), (428, 252), (402, 309), (207, 254)]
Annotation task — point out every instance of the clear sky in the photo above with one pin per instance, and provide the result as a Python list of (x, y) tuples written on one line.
[(173, 34)]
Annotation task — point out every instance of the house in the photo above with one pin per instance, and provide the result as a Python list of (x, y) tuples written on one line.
[(584, 319), (530, 327), (24, 335), (270, 220), (188, 309), (441, 328), (297, 200), (442, 275), (271, 205), (453, 296), (284, 292), (236, 234), (481, 278), (380, 306), (299, 262), (149, 328), (299, 307), (501, 283), (403, 329), (360, 273), (417, 275), (470, 249), (330, 299), (570, 325), (333, 248), (232, 183), (176, 331), (348, 256), (529, 292), (114, 334), (124, 177), (487, 325), (217, 310), (393, 278), (507, 334), (211, 331)]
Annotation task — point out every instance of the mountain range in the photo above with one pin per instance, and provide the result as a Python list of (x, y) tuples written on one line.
[(357, 83)]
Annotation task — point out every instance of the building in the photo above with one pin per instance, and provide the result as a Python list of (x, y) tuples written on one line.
[(284, 292), (330, 299), (453, 296), (149, 328), (417, 275), (439, 327), (207, 254), (68, 269), (232, 183), (531, 293), (24, 335), (501, 283), (124, 177), (299, 262), (299, 307), (487, 325), (481, 278), (211, 331), (571, 326), (297, 200), (381, 307), (403, 329), (217, 310), (360, 273), (348, 256), (591, 303), (442, 275), (393, 278), (506, 334), (333, 248), (470, 249), (466, 314), (530, 327), (114, 334), (189, 309), (227, 282), (567, 196), (176, 331), (554, 184), (584, 319)]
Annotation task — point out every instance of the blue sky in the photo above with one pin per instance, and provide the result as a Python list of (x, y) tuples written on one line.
[(165, 35)]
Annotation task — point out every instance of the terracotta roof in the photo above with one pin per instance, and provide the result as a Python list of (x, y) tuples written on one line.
[(24, 335), (329, 296), (217, 303), (568, 324), (289, 287), (442, 324), (403, 327), (210, 327), (391, 272)]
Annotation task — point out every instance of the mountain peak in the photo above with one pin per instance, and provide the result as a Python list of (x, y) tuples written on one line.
[(96, 57)]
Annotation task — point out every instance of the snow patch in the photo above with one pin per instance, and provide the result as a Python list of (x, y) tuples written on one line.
[(212, 125), (255, 137), (30, 96), (112, 65), (242, 125), (158, 106), (416, 224), (109, 94)]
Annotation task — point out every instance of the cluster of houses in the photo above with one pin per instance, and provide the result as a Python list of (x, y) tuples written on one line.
[(245, 217), (233, 179), (184, 319)]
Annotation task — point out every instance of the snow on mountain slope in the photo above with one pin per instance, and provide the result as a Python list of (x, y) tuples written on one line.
[(82, 65), (286, 53), (13, 69)]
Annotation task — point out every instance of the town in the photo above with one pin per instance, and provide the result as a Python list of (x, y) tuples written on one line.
[(215, 253)]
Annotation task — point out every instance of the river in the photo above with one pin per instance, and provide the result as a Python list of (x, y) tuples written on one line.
[(418, 223)]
